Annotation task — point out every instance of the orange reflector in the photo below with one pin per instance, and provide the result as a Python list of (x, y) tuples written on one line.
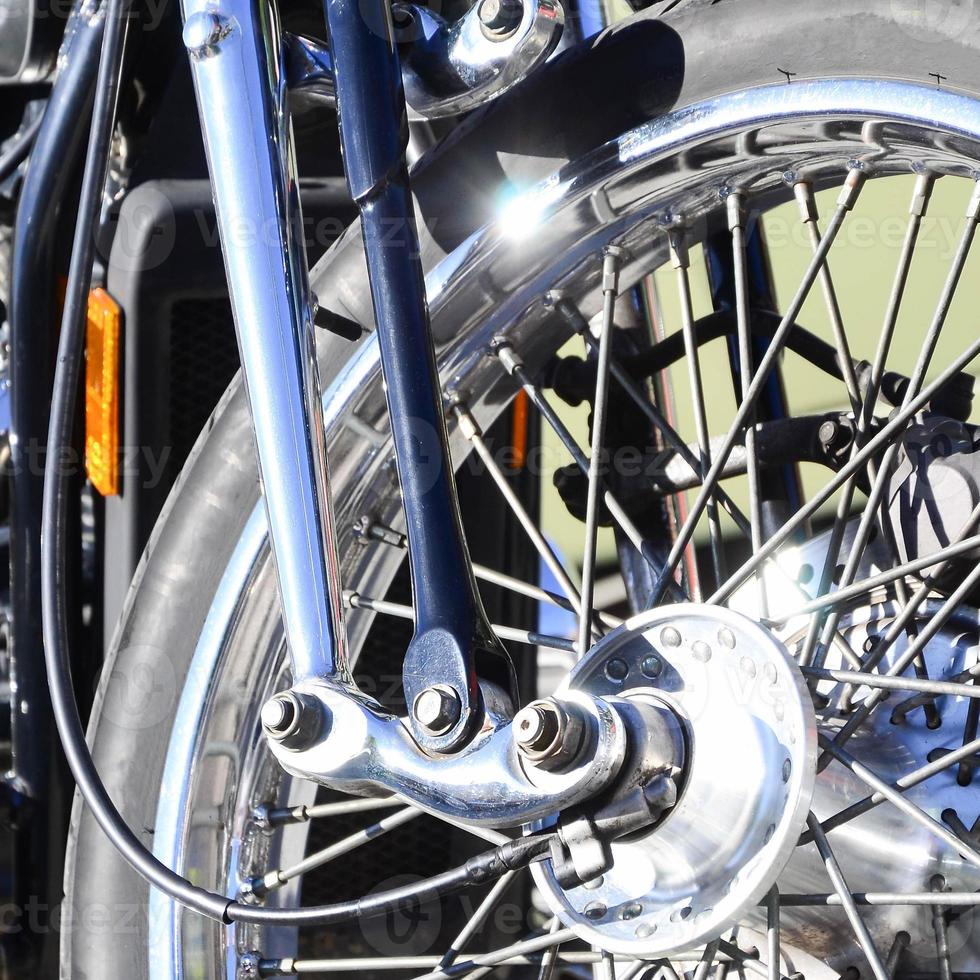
[(519, 426), (102, 392)]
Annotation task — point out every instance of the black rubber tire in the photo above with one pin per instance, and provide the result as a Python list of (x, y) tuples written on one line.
[(672, 55)]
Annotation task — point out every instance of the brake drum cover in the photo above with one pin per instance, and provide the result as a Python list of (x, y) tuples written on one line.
[(749, 771)]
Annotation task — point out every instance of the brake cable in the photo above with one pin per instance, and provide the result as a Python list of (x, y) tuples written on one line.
[(477, 870)]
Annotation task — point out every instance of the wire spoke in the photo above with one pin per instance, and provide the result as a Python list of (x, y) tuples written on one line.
[(907, 781), (524, 947), (278, 816), (476, 920), (922, 593), (902, 710), (610, 289), (514, 366), (681, 262), (894, 797), (885, 682), (736, 227), (935, 624), (671, 436), (861, 588), (896, 423), (876, 899), (849, 194), (474, 435), (840, 887), (400, 611), (282, 876), (395, 539), (772, 932), (871, 513)]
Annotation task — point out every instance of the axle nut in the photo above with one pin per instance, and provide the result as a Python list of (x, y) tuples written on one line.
[(437, 709), (500, 18), (292, 719), (548, 733)]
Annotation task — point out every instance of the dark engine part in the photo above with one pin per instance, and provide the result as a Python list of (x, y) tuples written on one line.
[(638, 477), (573, 379), (935, 485), (29, 39)]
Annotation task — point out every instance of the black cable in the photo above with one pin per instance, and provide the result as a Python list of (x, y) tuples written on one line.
[(482, 868), (54, 504), (477, 871), (17, 151)]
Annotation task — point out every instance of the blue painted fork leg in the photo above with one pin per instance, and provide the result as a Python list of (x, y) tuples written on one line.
[(451, 628), (236, 60)]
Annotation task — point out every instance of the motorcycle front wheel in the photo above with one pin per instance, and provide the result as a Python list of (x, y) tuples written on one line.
[(638, 139)]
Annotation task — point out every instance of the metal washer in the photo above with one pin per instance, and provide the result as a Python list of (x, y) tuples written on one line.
[(749, 777)]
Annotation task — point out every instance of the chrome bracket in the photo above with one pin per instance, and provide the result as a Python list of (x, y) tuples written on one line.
[(448, 67), (452, 67), (361, 749)]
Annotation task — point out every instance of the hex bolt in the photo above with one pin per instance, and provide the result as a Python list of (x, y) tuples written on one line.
[(548, 733), (500, 18), (835, 437), (292, 719), (437, 709)]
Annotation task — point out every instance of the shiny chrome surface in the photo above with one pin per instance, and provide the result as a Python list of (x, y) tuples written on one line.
[(240, 85), (364, 750), (308, 69), (746, 713), (452, 67), (484, 287)]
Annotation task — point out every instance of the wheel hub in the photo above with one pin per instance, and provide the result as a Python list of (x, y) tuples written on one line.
[(749, 768)]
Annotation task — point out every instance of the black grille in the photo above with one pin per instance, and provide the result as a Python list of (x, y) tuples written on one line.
[(203, 359)]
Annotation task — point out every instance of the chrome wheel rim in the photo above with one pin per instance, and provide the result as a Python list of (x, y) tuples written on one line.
[(505, 280)]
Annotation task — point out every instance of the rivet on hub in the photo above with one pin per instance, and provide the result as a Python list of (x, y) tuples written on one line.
[(701, 651), (670, 637)]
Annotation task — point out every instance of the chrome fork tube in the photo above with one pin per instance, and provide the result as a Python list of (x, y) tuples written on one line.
[(237, 63)]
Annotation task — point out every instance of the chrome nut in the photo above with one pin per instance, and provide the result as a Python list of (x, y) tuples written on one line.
[(292, 719), (548, 733)]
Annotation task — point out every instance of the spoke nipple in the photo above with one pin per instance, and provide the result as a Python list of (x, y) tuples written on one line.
[(548, 734), (736, 210), (467, 424), (973, 208), (252, 891), (262, 818), (437, 709), (292, 719), (677, 243), (803, 192), (506, 354), (249, 966), (856, 176)]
